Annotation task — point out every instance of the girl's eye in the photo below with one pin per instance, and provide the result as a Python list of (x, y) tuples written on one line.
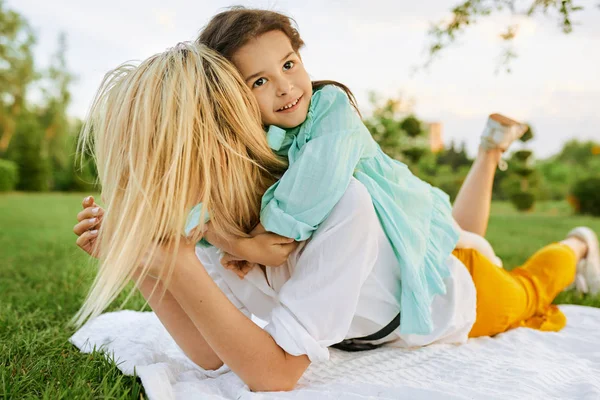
[(259, 82), (288, 65)]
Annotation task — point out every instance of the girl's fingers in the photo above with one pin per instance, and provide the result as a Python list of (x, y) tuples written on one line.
[(278, 239), (239, 273), (243, 269), (289, 247), (225, 261), (247, 267), (229, 259), (85, 225), (231, 265), (287, 240)]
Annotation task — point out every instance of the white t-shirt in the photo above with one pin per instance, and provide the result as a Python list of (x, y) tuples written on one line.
[(342, 283)]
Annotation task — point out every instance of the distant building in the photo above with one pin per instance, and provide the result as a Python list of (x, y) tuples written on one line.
[(436, 140)]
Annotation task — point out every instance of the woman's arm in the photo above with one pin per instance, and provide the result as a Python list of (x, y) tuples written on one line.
[(178, 324), (247, 349), (170, 313)]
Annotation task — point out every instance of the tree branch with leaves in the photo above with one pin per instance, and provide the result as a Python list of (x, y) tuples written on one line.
[(446, 32)]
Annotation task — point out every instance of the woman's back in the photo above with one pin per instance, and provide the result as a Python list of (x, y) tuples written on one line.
[(342, 283)]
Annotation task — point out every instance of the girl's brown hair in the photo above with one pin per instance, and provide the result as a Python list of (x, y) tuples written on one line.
[(230, 30)]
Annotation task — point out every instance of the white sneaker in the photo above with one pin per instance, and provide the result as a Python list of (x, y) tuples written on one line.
[(499, 133), (587, 279)]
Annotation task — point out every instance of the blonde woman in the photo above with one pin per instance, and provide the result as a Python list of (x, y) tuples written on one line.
[(183, 128)]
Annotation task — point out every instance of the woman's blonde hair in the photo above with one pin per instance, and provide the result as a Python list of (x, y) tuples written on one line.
[(179, 129)]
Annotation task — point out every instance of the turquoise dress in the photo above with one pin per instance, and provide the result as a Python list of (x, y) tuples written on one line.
[(324, 153), (329, 148)]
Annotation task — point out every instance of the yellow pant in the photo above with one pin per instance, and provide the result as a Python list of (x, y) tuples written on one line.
[(523, 296)]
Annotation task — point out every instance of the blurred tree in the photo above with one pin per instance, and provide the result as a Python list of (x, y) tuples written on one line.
[(469, 12), (16, 70), (54, 120), (400, 134), (560, 172), (521, 186), (27, 150), (586, 196), (454, 158), (384, 124), (576, 152)]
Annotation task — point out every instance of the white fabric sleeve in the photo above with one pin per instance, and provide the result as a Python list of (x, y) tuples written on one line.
[(210, 257), (318, 302)]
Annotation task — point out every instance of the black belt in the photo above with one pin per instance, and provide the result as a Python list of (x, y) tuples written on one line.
[(362, 343)]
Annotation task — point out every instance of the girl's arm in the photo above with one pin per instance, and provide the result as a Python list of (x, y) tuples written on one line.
[(247, 349), (332, 141), (262, 248)]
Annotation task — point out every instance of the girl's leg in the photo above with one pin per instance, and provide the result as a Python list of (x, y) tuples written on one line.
[(179, 325), (468, 240), (523, 296), (472, 205), (471, 209)]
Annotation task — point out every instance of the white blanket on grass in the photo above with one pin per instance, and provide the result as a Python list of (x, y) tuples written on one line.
[(519, 364)]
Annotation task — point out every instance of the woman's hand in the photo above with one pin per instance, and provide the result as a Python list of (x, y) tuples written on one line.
[(89, 220), (88, 225)]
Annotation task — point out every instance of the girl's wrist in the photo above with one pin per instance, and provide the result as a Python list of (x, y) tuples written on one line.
[(240, 247), (258, 229)]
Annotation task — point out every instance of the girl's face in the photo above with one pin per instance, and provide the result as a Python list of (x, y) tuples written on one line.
[(275, 74)]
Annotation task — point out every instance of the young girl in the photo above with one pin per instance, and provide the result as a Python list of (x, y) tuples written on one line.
[(183, 127), (315, 127)]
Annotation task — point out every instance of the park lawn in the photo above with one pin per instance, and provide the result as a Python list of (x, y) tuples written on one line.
[(44, 279)]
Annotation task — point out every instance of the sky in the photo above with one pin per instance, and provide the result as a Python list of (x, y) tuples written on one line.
[(369, 46)]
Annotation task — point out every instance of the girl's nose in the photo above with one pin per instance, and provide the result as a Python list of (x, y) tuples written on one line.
[(284, 87)]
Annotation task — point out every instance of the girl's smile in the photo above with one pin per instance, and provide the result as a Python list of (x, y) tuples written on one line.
[(291, 107)]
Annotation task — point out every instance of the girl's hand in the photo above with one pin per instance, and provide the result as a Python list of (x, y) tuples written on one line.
[(267, 249), (237, 265), (258, 229), (86, 229), (263, 247)]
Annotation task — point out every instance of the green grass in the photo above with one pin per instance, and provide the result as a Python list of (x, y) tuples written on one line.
[(515, 236), (43, 281), (44, 278)]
